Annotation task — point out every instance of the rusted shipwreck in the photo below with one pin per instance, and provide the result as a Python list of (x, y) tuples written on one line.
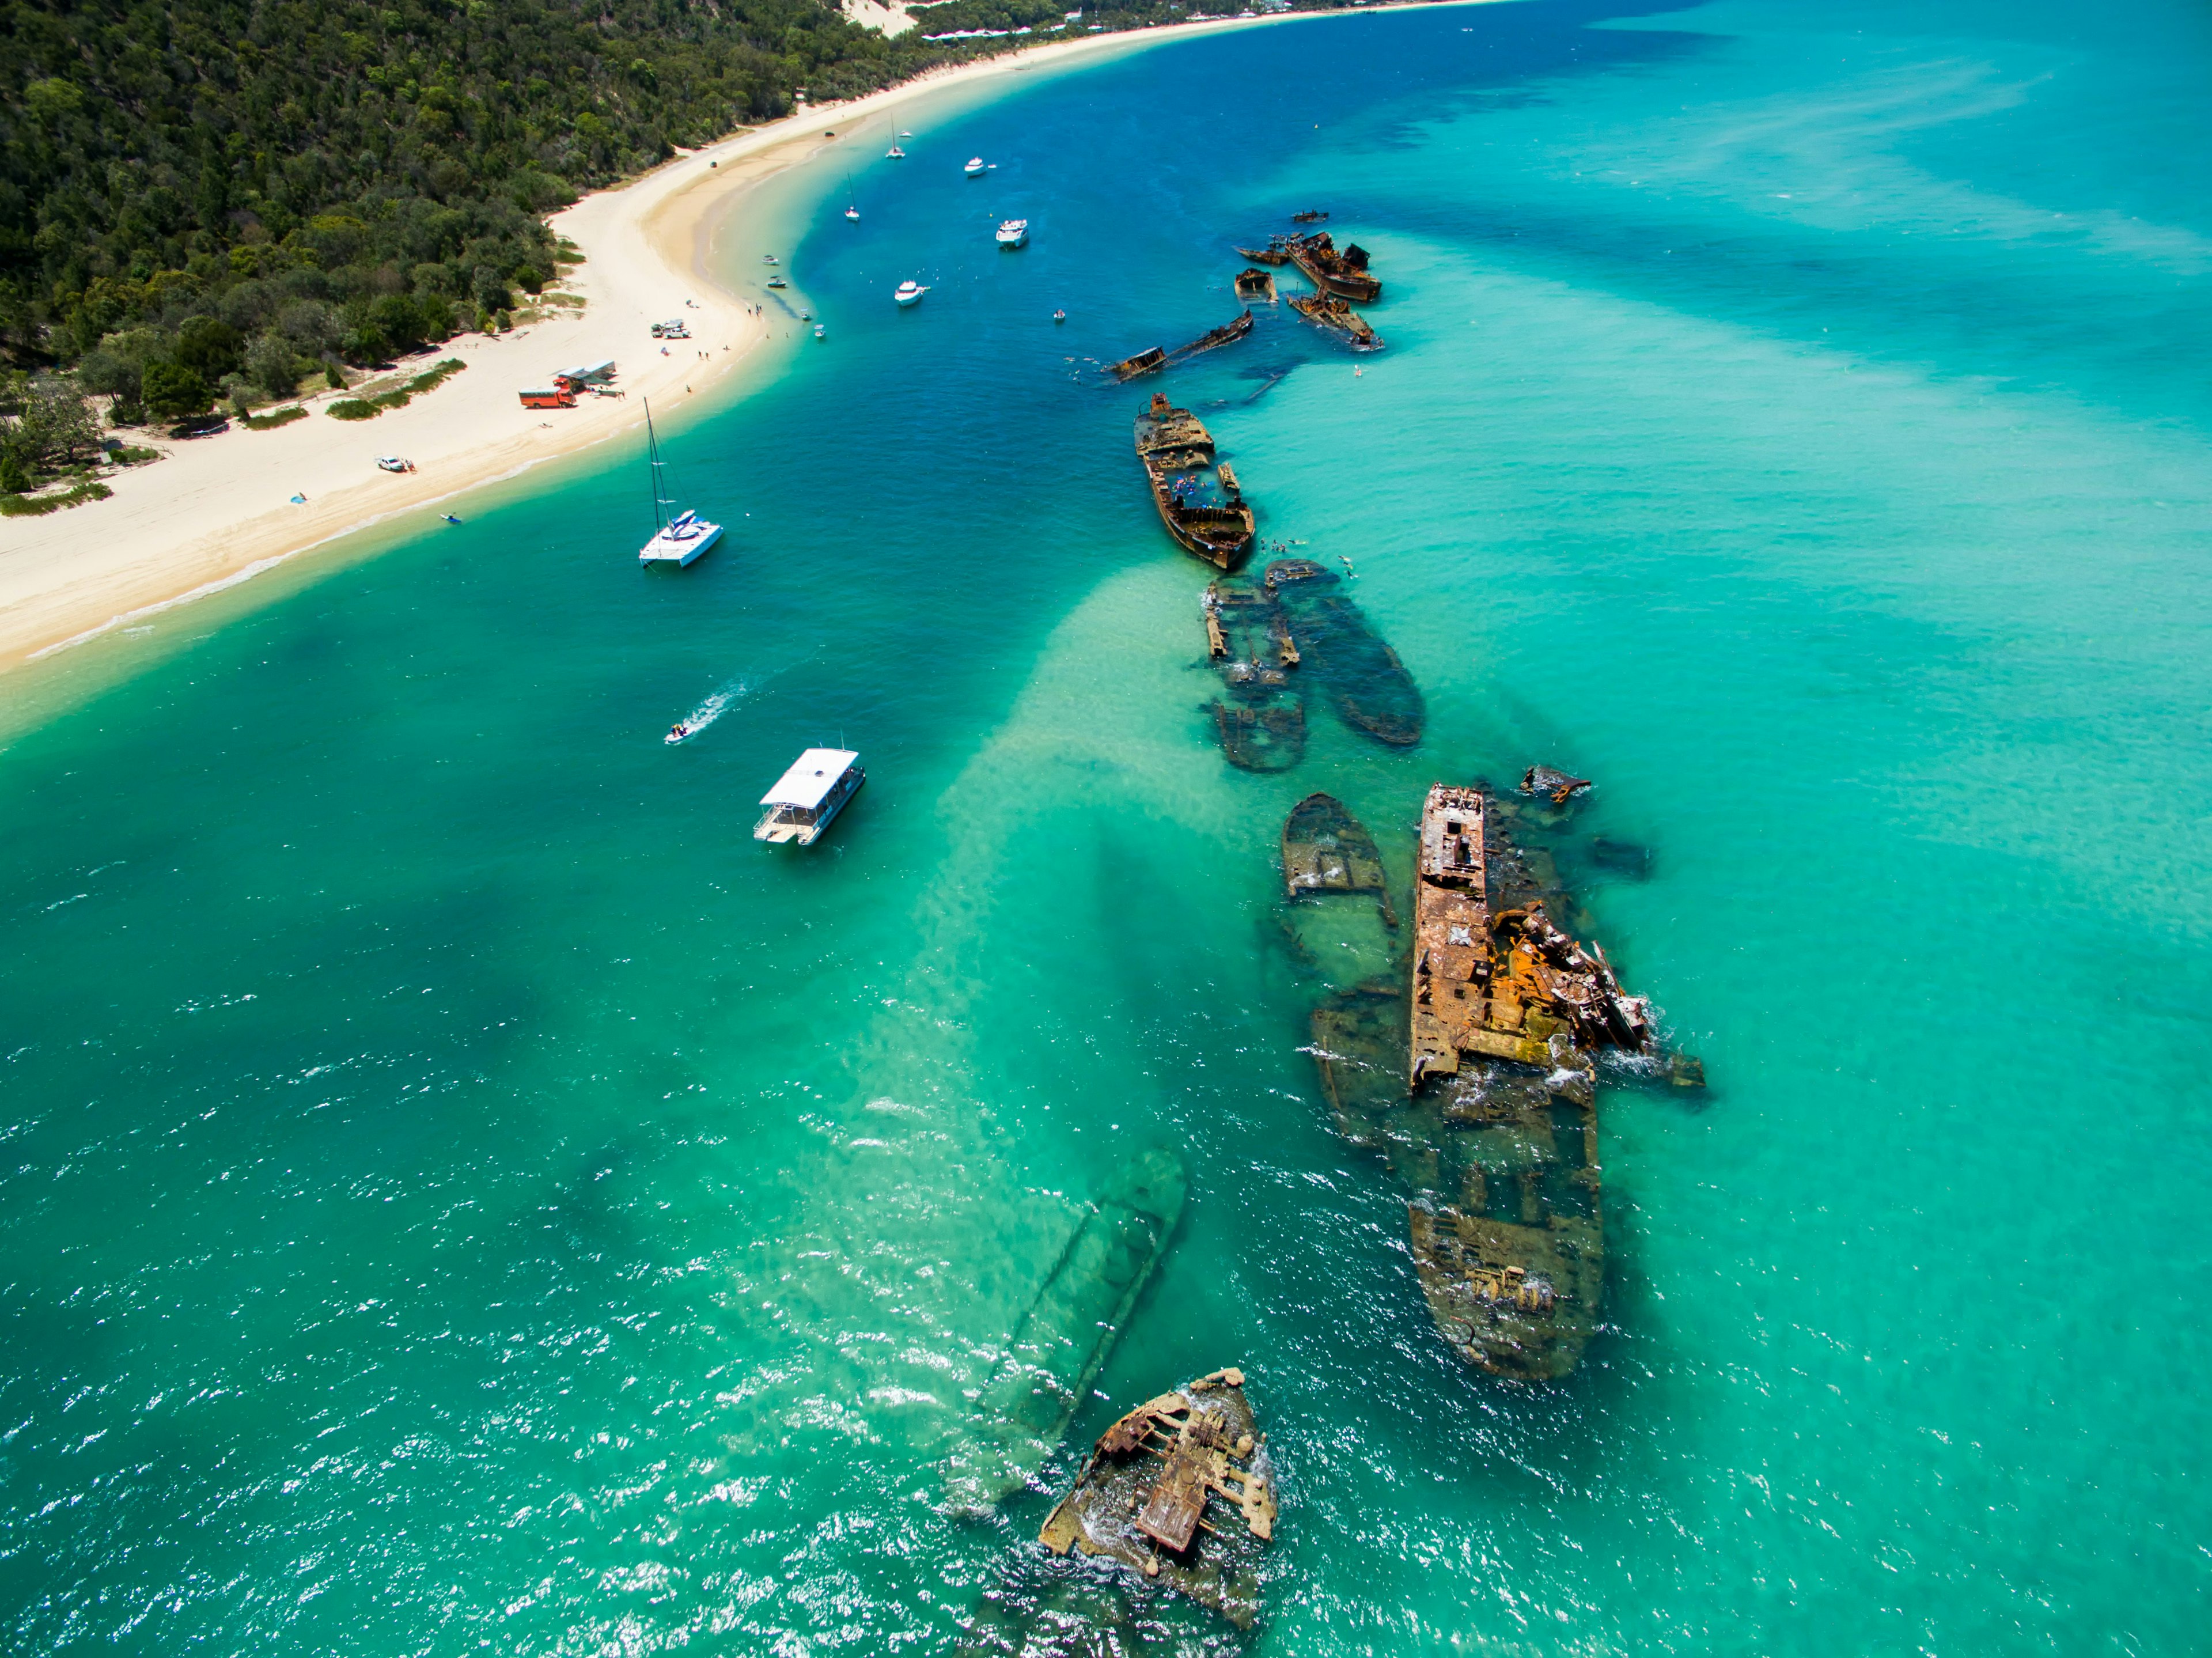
[(1177, 453), (1143, 1497), (1255, 284), (1339, 271), (1470, 1070), (1146, 362), (1261, 716), (1510, 1010), (1311, 215), (1554, 784), (1336, 316), (1369, 686)]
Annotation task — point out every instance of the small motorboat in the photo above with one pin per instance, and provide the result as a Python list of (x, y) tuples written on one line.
[(777, 282), (805, 316), (678, 733), (853, 213), (393, 463), (1059, 316), (449, 518), (767, 258), (1014, 233), (909, 293), (975, 168), (819, 333)]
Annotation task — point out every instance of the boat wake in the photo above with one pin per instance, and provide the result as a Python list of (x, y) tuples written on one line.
[(707, 713)]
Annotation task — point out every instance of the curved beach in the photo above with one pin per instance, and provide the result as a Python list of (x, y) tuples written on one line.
[(215, 511)]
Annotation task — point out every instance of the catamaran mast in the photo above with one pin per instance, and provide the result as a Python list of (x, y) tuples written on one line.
[(661, 502)]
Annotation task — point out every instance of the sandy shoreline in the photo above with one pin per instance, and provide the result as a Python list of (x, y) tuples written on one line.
[(218, 510)]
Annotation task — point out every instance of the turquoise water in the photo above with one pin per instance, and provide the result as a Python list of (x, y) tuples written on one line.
[(461, 1193)]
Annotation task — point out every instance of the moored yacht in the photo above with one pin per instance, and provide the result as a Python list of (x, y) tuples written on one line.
[(1014, 233), (808, 796), (676, 540), (975, 168), (909, 293)]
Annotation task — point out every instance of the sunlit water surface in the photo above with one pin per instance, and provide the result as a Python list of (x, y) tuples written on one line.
[(460, 1192)]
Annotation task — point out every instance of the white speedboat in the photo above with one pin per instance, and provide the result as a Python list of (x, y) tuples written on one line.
[(819, 333), (808, 796), (853, 213), (975, 168), (909, 293), (1014, 233), (676, 540)]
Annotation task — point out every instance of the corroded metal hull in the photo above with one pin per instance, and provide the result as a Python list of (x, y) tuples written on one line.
[(1326, 849), (1340, 272), (1337, 317), (1371, 688), (1177, 453), (1145, 1496), (1146, 362)]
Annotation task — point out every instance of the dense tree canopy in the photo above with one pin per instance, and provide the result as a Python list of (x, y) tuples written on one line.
[(344, 178)]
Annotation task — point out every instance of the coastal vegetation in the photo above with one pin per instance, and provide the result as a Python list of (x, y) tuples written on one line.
[(207, 203)]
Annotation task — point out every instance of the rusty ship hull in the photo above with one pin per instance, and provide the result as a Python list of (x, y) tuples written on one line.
[(1176, 452), (1369, 685), (1146, 362), (1336, 316), (1341, 273)]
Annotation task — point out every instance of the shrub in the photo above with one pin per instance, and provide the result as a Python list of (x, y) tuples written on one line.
[(357, 408), (172, 391), (275, 418), (38, 505)]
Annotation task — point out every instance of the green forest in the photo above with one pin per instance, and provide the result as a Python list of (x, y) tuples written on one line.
[(212, 200)]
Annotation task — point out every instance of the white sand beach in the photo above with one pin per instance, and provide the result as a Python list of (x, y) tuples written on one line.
[(219, 509)]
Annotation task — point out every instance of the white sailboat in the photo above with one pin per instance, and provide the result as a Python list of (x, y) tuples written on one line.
[(676, 540), (895, 153)]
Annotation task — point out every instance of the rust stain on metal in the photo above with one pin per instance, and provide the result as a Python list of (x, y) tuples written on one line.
[(1143, 1497), (1335, 314), (1177, 453), (1145, 361)]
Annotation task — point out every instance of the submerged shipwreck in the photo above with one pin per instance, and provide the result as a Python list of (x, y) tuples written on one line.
[(1371, 688), (1326, 850), (1336, 316), (1255, 284), (1145, 1496), (1178, 451), (1145, 361), (1063, 1340), (1261, 716), (1477, 1084)]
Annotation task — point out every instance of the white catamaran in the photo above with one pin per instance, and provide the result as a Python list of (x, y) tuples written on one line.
[(676, 540)]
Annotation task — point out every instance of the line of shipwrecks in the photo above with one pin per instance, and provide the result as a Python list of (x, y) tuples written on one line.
[(1463, 1051)]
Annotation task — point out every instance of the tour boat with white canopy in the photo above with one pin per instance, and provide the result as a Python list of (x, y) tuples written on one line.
[(676, 540), (808, 796)]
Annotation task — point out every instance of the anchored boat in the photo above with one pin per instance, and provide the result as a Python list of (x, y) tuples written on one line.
[(808, 796), (1178, 451), (909, 293), (676, 540), (1014, 233)]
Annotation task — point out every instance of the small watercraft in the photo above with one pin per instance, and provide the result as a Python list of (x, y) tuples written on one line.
[(909, 293), (449, 518), (894, 153), (767, 258), (853, 213), (818, 333), (805, 316), (1014, 233), (678, 733), (777, 282), (975, 168), (1059, 316)]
